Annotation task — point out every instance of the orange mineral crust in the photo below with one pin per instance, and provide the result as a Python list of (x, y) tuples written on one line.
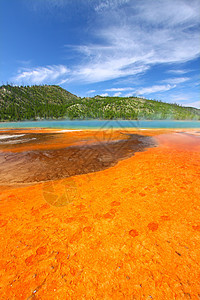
[(130, 231)]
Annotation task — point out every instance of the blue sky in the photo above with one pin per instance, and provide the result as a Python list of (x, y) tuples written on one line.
[(147, 48)]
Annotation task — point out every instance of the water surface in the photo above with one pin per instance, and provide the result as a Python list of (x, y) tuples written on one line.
[(98, 124)]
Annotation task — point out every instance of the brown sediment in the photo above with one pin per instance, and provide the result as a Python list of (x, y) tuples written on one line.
[(52, 164), (130, 231)]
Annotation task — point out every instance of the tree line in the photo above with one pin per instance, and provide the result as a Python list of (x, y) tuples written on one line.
[(18, 103)]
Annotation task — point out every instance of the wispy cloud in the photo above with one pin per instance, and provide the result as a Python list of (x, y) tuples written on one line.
[(132, 37), (168, 35), (154, 89), (195, 104), (185, 98), (129, 95), (41, 74), (178, 72), (117, 94), (176, 80), (109, 4), (105, 70), (142, 91), (119, 89), (63, 81), (91, 91)]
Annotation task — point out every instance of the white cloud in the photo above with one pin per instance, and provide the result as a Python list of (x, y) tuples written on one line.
[(184, 98), (41, 74), (117, 94), (128, 95), (63, 81), (154, 89), (119, 89), (105, 70), (104, 95), (170, 13), (180, 98), (178, 72), (195, 104), (91, 91), (109, 4), (176, 80), (138, 35), (134, 35)]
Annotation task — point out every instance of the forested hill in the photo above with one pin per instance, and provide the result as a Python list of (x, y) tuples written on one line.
[(53, 102), (34, 102)]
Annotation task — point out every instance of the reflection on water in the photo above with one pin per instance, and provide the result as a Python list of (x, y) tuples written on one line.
[(14, 139), (188, 141), (8, 137)]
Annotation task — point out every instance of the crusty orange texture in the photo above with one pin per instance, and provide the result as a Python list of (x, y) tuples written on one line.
[(127, 232)]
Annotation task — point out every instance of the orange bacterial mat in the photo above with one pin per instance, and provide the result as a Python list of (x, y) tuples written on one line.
[(130, 231)]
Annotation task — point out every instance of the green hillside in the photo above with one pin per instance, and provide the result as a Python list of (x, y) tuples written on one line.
[(53, 102), (34, 102)]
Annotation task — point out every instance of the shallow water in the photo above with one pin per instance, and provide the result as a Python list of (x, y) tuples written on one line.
[(50, 164)]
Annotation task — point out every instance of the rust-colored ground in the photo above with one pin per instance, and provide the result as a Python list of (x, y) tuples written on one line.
[(127, 232)]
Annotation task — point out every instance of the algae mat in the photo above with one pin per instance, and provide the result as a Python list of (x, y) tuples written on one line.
[(128, 230)]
